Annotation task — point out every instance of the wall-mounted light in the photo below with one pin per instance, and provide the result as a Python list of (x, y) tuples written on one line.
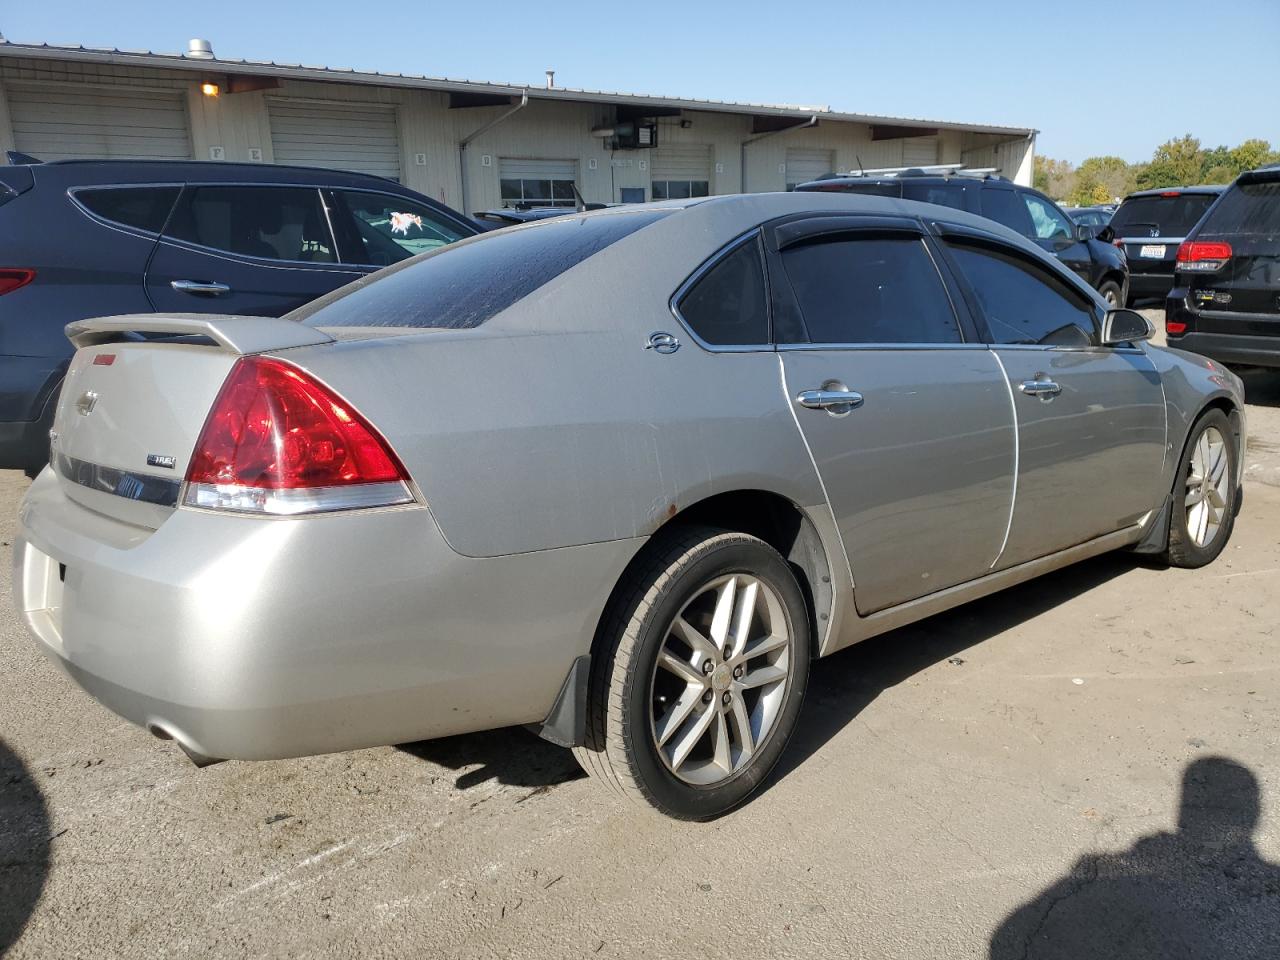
[(210, 89)]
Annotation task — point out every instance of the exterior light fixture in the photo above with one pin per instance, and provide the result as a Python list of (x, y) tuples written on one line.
[(210, 89)]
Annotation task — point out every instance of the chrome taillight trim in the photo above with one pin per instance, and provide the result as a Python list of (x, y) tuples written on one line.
[(261, 501)]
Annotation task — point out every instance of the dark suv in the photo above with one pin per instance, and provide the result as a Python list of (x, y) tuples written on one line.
[(1149, 226), (91, 238), (1026, 211), (1226, 300)]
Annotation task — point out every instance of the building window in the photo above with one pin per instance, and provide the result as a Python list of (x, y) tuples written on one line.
[(680, 189), (537, 192)]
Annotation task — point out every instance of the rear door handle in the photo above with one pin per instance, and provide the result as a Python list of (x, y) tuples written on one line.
[(833, 401), (1041, 387), (212, 289)]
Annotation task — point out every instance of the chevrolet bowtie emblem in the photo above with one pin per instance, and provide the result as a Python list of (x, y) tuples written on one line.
[(88, 400)]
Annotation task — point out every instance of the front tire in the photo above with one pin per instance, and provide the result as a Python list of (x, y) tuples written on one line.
[(1204, 496), (700, 674), (1110, 291)]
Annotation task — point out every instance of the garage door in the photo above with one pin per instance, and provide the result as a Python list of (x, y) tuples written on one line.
[(81, 123), (806, 165), (919, 151), (537, 183), (681, 170), (340, 136)]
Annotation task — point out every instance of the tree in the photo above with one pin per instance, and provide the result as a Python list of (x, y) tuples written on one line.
[(1175, 163), (1053, 177), (1108, 177), (1252, 154)]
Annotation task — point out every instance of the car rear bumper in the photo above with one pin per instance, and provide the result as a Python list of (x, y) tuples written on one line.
[(1144, 285), (1231, 348), (256, 639)]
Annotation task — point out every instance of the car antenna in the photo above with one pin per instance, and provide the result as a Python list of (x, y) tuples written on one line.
[(859, 159), (581, 205)]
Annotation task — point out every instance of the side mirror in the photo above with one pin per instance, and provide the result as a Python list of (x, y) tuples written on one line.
[(1125, 326), (1083, 232), (1106, 234)]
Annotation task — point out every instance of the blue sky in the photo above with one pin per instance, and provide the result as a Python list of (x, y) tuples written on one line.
[(1094, 78)]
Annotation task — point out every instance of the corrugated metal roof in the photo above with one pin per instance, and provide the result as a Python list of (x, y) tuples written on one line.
[(298, 71)]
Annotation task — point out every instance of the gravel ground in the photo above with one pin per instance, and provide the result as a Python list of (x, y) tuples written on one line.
[(1084, 766)]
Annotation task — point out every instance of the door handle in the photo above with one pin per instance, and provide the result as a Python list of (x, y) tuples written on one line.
[(838, 402), (213, 289), (1041, 387)]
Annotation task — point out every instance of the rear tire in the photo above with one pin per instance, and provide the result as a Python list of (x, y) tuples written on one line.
[(1110, 292), (1204, 493), (699, 676)]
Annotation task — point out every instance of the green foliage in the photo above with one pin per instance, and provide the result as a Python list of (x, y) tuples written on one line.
[(1174, 164)]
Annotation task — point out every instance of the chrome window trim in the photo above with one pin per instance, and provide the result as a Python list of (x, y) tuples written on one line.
[(116, 224), (962, 345), (698, 274)]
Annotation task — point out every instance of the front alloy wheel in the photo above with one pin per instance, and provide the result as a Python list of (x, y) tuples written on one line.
[(698, 677), (1205, 495)]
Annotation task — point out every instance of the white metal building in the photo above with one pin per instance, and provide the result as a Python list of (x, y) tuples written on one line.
[(471, 145)]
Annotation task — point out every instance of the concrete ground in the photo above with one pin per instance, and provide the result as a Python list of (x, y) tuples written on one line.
[(1084, 766)]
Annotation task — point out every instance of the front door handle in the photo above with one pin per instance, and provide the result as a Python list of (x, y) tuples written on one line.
[(212, 289), (838, 402), (1041, 387)]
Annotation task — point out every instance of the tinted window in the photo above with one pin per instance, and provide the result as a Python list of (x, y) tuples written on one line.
[(464, 284), (946, 194), (1005, 206), (727, 304), (388, 229), (1048, 222), (1161, 216), (1247, 209), (1024, 302), (870, 290), (146, 208), (276, 223)]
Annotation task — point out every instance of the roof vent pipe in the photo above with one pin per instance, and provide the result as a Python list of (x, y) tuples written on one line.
[(198, 49), (551, 79)]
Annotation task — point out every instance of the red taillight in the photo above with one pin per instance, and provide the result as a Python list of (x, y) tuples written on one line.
[(1171, 193), (277, 441), (11, 278), (1175, 327), (1203, 256)]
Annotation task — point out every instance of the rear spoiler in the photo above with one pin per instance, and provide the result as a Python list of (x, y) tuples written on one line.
[(236, 334)]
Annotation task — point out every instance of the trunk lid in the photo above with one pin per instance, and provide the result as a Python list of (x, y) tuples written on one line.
[(136, 397), (1244, 296)]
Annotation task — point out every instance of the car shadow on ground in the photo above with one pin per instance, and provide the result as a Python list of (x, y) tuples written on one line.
[(24, 846), (511, 756), (1200, 893), (843, 685)]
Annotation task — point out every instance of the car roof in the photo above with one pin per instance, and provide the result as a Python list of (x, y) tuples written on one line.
[(1209, 188)]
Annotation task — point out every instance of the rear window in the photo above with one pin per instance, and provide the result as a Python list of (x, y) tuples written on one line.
[(463, 285), (1161, 216), (146, 208), (1247, 209)]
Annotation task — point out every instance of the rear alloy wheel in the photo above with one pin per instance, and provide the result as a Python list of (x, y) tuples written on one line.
[(1204, 498), (696, 699), (1110, 292)]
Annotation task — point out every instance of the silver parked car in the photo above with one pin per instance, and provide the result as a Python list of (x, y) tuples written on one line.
[(619, 475)]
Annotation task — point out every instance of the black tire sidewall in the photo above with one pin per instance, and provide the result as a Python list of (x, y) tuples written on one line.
[(669, 793), (1197, 555), (1102, 292)]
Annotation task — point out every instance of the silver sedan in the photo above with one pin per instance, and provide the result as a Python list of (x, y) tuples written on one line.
[(621, 476)]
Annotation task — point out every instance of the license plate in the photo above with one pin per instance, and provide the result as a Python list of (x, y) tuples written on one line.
[(1153, 250)]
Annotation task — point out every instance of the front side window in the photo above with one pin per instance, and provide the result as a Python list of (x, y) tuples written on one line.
[(1025, 303), (680, 189), (870, 289), (274, 223), (525, 192), (387, 229), (146, 208), (1048, 221), (727, 305)]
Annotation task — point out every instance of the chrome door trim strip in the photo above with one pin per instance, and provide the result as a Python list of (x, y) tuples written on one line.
[(1013, 500)]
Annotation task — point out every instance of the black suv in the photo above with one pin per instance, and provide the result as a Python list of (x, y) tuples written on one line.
[(1149, 226), (1226, 300), (88, 238), (1021, 209)]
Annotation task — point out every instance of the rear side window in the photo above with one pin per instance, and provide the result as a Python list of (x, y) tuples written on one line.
[(1161, 216), (464, 284), (1005, 206), (944, 194), (1247, 209), (870, 289), (727, 304), (146, 208), (1025, 303), (275, 223)]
